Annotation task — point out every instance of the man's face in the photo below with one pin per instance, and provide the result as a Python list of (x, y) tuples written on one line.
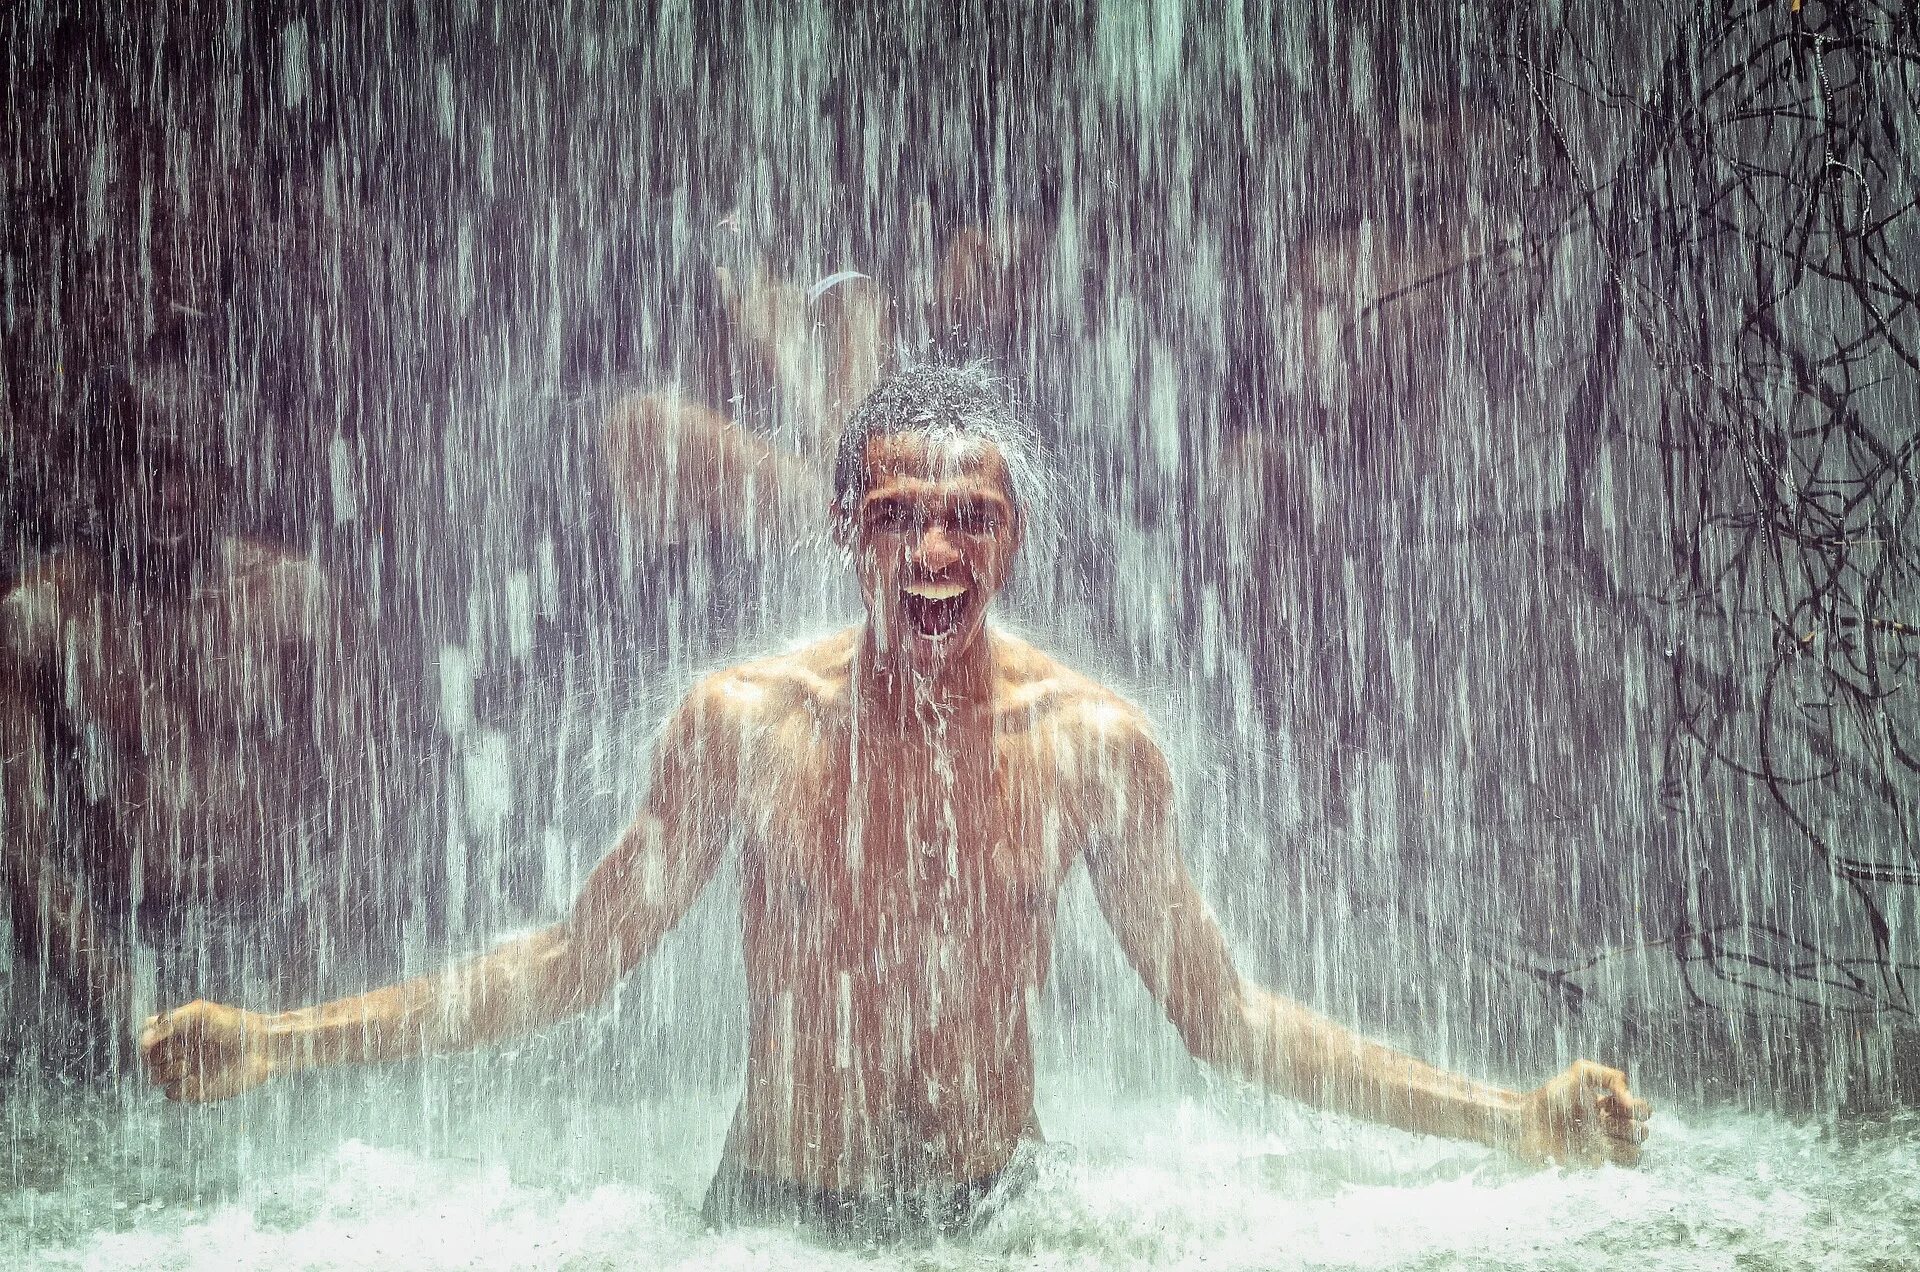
[(933, 538), (171, 503), (1390, 295)]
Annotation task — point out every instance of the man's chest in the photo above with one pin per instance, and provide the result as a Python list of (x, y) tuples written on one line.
[(184, 672), (889, 849)]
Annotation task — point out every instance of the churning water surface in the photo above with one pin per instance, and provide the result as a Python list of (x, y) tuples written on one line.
[(368, 1172)]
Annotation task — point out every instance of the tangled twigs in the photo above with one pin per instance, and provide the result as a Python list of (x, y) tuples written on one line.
[(1751, 197)]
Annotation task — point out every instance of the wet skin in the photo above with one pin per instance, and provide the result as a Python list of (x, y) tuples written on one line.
[(908, 797), (174, 699)]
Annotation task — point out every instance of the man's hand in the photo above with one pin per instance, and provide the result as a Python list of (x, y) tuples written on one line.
[(205, 1052), (823, 345), (1584, 1117)]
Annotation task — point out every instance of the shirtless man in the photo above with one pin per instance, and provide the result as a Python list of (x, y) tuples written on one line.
[(170, 722), (907, 798)]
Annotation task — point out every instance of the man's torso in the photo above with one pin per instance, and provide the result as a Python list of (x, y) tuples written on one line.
[(899, 887), (187, 722)]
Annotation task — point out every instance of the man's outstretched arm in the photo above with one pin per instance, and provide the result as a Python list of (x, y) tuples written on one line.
[(1587, 1114), (206, 1051), (681, 466)]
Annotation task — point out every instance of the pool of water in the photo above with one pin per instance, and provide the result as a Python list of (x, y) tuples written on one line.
[(445, 1166)]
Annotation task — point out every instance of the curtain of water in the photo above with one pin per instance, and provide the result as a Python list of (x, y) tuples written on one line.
[(1483, 445)]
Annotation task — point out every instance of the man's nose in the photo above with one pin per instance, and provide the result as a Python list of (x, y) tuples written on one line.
[(934, 550), (169, 492)]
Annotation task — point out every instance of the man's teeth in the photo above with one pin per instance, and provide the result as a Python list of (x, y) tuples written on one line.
[(935, 591)]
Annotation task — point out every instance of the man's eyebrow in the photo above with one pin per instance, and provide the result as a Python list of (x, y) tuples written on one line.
[(993, 500)]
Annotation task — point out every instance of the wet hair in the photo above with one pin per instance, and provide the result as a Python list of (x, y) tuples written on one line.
[(959, 403)]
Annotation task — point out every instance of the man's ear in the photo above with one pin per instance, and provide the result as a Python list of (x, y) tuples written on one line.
[(840, 525)]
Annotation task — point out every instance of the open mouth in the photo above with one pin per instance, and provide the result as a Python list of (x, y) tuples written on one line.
[(934, 610)]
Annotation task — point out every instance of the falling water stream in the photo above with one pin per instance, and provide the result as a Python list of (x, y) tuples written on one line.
[(1482, 445)]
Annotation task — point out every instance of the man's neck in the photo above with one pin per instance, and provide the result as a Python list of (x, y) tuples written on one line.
[(890, 689)]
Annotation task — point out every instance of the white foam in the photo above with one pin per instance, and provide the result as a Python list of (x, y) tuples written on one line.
[(1218, 1183)]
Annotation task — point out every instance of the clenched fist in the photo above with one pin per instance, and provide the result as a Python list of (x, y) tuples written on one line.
[(1585, 1117), (205, 1052)]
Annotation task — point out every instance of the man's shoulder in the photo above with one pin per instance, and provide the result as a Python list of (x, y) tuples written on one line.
[(280, 587), (1042, 687), (34, 609), (760, 688), (265, 568)]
